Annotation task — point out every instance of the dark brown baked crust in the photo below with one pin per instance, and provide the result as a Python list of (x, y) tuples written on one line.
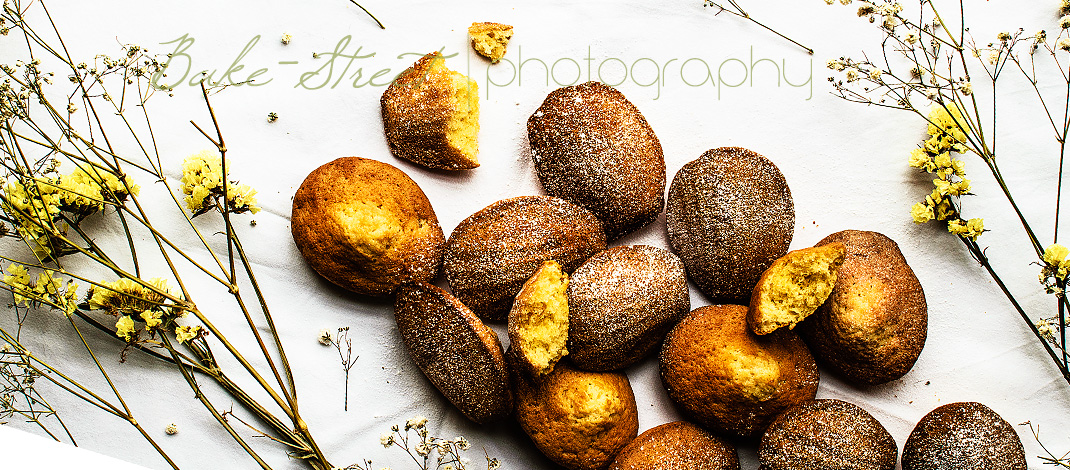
[(578, 419), (409, 247), (963, 435), (622, 302), (460, 355), (729, 379), (729, 216), (872, 327), (827, 435), (593, 147), (416, 110), (677, 446), (492, 252)]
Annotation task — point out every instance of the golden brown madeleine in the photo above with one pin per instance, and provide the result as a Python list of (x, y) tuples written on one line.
[(431, 116), (460, 355), (729, 379), (366, 226), (538, 321), (963, 435), (622, 302), (827, 435), (592, 146), (490, 39), (677, 446), (794, 287), (872, 328), (492, 252), (729, 216), (578, 419)]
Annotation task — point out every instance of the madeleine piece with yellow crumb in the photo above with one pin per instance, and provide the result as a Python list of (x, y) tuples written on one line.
[(366, 226), (490, 39), (873, 326), (538, 321), (729, 379), (578, 419), (431, 116), (794, 287)]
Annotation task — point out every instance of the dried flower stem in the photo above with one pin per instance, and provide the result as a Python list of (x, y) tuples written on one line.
[(738, 11), (369, 14)]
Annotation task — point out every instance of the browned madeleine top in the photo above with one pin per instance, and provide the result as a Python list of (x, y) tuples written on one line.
[(460, 355), (492, 252), (729, 216), (366, 226), (593, 147)]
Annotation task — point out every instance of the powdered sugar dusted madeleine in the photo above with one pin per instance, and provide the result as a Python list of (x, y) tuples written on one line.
[(679, 445), (366, 226), (963, 435), (729, 216), (827, 434), (622, 302), (492, 252), (729, 379), (872, 328), (592, 146), (431, 116), (460, 355)]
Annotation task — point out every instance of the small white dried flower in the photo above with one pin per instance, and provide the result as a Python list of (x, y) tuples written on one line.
[(830, 2), (912, 37), (966, 88), (1041, 36), (1063, 44), (845, 2), (852, 75), (494, 464), (286, 38), (71, 108), (6, 348), (416, 422), (1004, 36), (1064, 22), (386, 439), (890, 22), (422, 449), (836, 64), (325, 337), (992, 57), (462, 443), (875, 73), (171, 429)]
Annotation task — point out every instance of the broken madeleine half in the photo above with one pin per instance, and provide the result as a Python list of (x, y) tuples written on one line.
[(793, 287), (538, 321), (490, 39), (431, 116)]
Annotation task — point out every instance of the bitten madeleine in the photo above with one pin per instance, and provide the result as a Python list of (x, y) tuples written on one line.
[(431, 115), (622, 302), (729, 216), (873, 326), (592, 146), (794, 287), (677, 446), (963, 435), (827, 435), (366, 226), (460, 355), (492, 252), (580, 420), (729, 379), (538, 321)]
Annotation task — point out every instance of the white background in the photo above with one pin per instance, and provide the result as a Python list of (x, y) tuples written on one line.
[(845, 163)]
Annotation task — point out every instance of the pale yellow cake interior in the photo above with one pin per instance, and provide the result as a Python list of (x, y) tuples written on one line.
[(372, 229), (463, 125), (542, 318), (490, 39), (796, 286)]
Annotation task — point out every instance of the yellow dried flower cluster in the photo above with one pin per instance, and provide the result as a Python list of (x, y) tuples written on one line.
[(47, 288), (34, 205), (132, 302), (1055, 267), (946, 135), (202, 183)]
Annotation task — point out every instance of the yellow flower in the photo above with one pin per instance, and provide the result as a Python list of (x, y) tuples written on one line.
[(128, 297), (1055, 254), (947, 121), (976, 228), (152, 318), (920, 159), (943, 160), (957, 227), (18, 279), (943, 186), (187, 333), (921, 213), (202, 181), (959, 167), (125, 328)]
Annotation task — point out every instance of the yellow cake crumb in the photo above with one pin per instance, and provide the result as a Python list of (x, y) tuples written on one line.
[(490, 39), (539, 321), (795, 286)]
